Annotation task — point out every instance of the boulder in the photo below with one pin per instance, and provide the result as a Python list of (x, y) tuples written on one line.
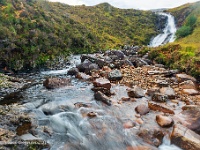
[(185, 138), (84, 66), (83, 76), (98, 61), (129, 124), (73, 71), (52, 83), (102, 82), (184, 77), (115, 75), (142, 109), (158, 97), (190, 92), (164, 121), (189, 84), (99, 96), (195, 126), (160, 107), (136, 92), (115, 54), (168, 91)]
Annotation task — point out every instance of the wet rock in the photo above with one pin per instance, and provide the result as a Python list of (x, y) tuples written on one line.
[(185, 138), (168, 91), (184, 77), (103, 90), (99, 96), (195, 126), (164, 121), (93, 59), (115, 75), (52, 83), (160, 107), (136, 92), (190, 92), (82, 104), (29, 137), (129, 124), (125, 99), (140, 148), (92, 114), (142, 109), (83, 76), (152, 136), (191, 107), (189, 84), (84, 66), (102, 82), (158, 97), (73, 71), (24, 125)]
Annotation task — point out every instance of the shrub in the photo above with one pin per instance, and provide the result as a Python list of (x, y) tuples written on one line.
[(183, 31)]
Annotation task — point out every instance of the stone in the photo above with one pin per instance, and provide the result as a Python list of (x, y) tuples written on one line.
[(115, 75), (168, 91), (158, 97), (185, 138), (73, 71), (99, 96), (103, 90), (136, 92), (129, 124), (160, 107), (84, 66), (92, 114), (189, 84), (184, 77), (142, 109), (83, 76), (102, 82), (52, 83), (190, 92), (151, 92), (164, 121), (195, 126)]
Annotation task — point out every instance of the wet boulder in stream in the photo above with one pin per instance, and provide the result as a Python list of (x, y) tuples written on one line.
[(52, 83), (99, 96)]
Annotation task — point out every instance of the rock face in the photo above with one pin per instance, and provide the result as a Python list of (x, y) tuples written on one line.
[(142, 109), (136, 92), (185, 138), (164, 121), (52, 83), (115, 75)]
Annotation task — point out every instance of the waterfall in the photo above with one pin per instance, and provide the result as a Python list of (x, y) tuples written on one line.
[(168, 34)]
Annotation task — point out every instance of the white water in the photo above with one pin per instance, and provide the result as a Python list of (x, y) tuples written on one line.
[(168, 34), (166, 145)]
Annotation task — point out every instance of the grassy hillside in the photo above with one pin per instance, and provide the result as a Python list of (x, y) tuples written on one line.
[(33, 32), (184, 53)]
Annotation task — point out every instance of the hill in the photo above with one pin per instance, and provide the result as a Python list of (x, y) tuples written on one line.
[(38, 32), (184, 53)]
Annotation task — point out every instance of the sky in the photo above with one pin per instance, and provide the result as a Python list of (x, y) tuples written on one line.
[(136, 4)]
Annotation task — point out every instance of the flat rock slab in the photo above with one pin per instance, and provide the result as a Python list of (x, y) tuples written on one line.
[(52, 83), (102, 82), (190, 92), (184, 77), (160, 107), (185, 138)]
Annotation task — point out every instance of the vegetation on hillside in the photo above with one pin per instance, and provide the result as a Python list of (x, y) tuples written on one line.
[(34, 32), (184, 53)]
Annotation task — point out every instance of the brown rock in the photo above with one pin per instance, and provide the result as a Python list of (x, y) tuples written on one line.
[(160, 107), (164, 121), (142, 109), (190, 92), (184, 77), (185, 138), (99, 96), (92, 114), (168, 91), (128, 124), (83, 76), (189, 84), (139, 148), (52, 83), (136, 92), (102, 82), (158, 97)]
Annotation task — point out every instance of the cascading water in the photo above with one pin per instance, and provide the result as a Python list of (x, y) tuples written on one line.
[(168, 34)]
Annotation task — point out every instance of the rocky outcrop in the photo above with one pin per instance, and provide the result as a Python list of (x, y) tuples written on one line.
[(52, 83), (185, 138)]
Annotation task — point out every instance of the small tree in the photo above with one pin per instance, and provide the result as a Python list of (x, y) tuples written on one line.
[(183, 31)]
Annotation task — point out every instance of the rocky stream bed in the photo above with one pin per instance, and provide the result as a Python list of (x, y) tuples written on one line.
[(112, 100)]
